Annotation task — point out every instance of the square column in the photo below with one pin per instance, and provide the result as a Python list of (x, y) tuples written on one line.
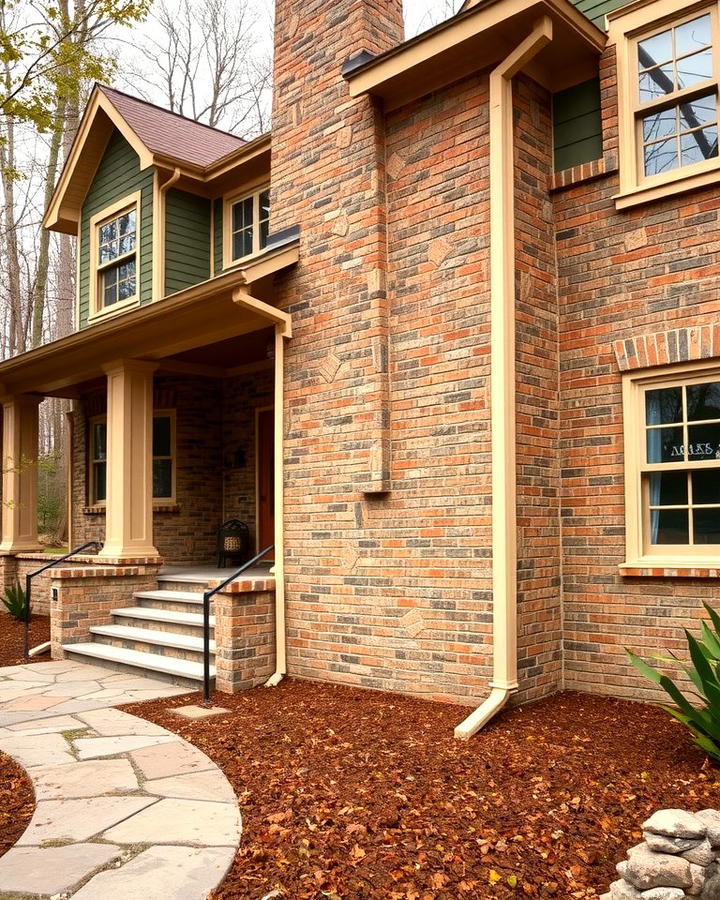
[(20, 473), (129, 507)]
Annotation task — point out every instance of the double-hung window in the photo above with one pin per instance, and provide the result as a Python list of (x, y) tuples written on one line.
[(247, 222), (163, 468), (668, 95), (114, 248), (673, 477)]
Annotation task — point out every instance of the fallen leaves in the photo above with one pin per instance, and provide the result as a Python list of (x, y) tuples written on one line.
[(17, 802), (12, 639)]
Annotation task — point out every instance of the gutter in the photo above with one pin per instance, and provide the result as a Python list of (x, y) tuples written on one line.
[(502, 378)]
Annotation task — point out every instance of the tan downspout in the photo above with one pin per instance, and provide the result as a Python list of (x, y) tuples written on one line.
[(502, 378)]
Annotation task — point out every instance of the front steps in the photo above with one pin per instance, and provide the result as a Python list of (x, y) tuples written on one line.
[(161, 634)]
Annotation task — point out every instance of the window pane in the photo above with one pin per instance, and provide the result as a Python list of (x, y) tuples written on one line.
[(669, 526), (707, 526), (108, 232), (126, 222), (108, 252), (265, 205), (698, 112), (126, 269), (663, 406), (110, 295), (243, 214), (692, 35), (699, 145), (668, 489), (703, 442), (656, 83), (660, 157), (264, 226), (162, 435), (243, 243), (162, 478), (654, 50), (100, 482), (100, 440), (660, 124), (127, 244), (126, 289), (703, 401), (694, 69), (665, 445), (706, 486)]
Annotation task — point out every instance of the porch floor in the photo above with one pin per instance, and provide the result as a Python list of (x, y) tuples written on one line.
[(195, 574)]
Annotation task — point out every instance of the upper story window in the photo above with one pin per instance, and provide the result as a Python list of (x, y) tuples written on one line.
[(247, 220), (668, 96), (114, 255), (672, 432)]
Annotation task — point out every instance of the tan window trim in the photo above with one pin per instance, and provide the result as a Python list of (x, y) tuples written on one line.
[(95, 311), (229, 201), (626, 27), (639, 554)]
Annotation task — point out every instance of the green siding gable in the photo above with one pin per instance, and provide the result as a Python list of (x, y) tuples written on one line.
[(596, 10), (577, 125), (187, 240), (117, 176)]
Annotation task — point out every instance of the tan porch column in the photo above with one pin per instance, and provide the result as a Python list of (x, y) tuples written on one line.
[(129, 511), (20, 473)]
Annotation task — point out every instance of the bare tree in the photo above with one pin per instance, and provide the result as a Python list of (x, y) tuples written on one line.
[(206, 63), (440, 11)]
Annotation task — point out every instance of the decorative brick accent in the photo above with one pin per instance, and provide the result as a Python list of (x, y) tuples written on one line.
[(665, 347)]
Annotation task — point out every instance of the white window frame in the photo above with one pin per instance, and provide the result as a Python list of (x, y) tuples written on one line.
[(229, 202), (96, 308), (627, 28), (640, 553)]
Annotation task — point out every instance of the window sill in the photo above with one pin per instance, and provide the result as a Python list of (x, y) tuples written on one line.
[(659, 569), (113, 310), (651, 192)]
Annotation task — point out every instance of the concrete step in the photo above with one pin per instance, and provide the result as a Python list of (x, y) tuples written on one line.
[(123, 635), (180, 671), (182, 601), (170, 620), (194, 583)]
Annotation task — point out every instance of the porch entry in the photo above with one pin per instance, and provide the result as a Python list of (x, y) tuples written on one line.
[(265, 432)]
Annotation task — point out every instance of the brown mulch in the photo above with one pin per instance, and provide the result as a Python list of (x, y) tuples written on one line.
[(17, 802), (12, 638), (352, 794)]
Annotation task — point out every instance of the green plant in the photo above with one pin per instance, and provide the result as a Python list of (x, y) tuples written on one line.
[(15, 601), (702, 720)]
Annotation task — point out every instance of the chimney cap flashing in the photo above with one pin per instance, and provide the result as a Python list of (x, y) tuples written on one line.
[(356, 61)]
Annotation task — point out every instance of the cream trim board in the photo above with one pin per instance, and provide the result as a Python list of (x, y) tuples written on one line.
[(627, 28), (95, 311), (253, 190), (639, 552)]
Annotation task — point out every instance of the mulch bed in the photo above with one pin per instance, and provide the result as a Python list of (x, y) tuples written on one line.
[(12, 638), (358, 794), (17, 802)]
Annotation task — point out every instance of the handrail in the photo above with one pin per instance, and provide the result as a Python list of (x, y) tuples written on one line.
[(28, 587), (207, 595)]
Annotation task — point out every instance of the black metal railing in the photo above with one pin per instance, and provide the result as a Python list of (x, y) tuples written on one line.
[(207, 596), (28, 586)]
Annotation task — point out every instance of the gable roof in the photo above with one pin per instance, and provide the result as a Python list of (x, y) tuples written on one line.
[(158, 136), (595, 10), (171, 135)]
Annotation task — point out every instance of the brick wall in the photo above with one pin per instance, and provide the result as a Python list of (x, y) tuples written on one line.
[(621, 275)]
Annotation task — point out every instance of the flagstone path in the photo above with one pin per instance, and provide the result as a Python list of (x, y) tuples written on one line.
[(125, 808)]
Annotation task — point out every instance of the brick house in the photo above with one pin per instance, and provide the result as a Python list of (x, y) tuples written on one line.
[(448, 338)]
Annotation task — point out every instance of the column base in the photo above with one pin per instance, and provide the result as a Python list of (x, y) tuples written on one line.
[(137, 555), (13, 547)]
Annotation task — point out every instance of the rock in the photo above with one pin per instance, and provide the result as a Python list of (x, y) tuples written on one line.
[(607, 896), (621, 868), (663, 893), (646, 869), (697, 873), (711, 891), (661, 844), (702, 855), (621, 890), (675, 823), (711, 819)]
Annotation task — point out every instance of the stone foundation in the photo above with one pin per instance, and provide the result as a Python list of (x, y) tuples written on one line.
[(244, 634), (678, 858), (87, 593)]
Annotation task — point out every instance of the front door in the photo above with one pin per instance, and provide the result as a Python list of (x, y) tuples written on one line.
[(266, 479)]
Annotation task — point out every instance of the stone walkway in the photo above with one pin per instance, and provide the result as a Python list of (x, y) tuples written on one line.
[(125, 808)]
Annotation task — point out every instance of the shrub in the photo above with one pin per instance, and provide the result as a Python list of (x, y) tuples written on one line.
[(703, 720), (15, 601)]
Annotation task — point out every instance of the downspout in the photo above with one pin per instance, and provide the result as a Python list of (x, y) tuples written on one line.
[(502, 378)]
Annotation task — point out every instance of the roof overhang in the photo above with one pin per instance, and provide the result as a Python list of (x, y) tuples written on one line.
[(99, 121), (232, 304), (480, 35)]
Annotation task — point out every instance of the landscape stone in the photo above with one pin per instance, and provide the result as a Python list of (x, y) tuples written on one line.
[(199, 712), (84, 779), (711, 819), (647, 869), (698, 880), (621, 890), (193, 786), (663, 893), (78, 820), (92, 748), (114, 722), (30, 750), (702, 855), (177, 758), (675, 823), (52, 869), (661, 844), (181, 821)]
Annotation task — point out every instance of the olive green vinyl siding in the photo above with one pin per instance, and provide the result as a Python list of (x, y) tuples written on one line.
[(218, 236), (596, 10), (187, 240), (577, 126), (117, 176)]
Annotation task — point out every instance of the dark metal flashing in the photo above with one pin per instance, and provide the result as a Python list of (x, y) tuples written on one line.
[(356, 61), (283, 238)]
